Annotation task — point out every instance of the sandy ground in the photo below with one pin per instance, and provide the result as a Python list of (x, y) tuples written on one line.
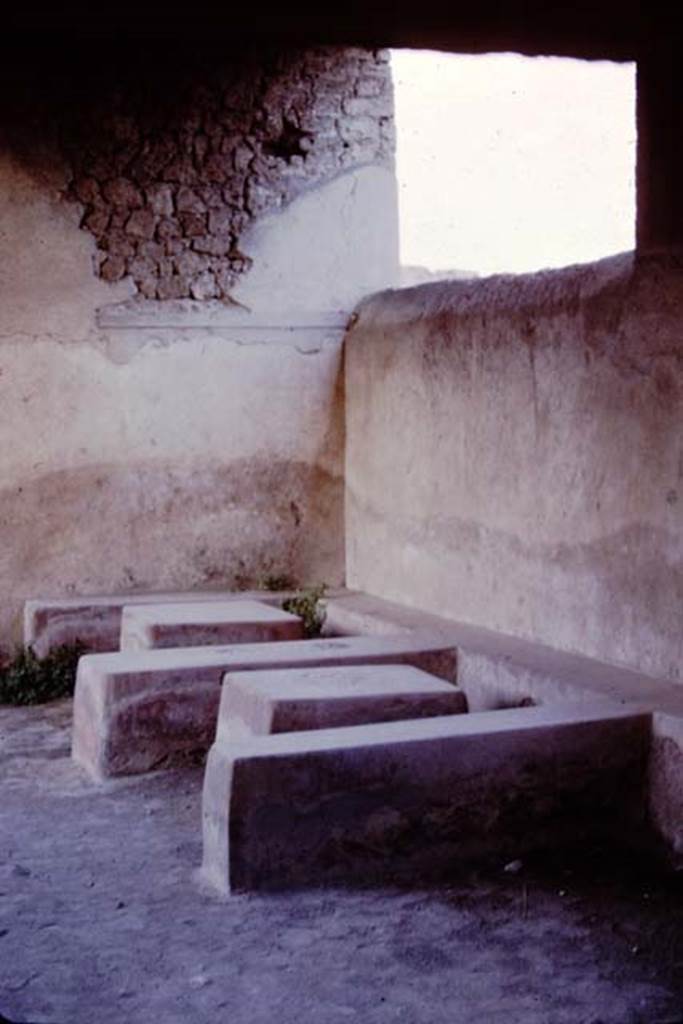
[(102, 920)]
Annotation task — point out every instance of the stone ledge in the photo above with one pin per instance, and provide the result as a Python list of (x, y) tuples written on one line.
[(292, 700), (407, 800), (193, 624), (497, 670), (96, 620), (134, 711), (188, 315)]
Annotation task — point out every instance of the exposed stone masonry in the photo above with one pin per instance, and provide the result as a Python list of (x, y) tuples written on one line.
[(169, 180)]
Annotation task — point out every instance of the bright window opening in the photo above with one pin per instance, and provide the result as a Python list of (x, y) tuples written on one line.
[(510, 164)]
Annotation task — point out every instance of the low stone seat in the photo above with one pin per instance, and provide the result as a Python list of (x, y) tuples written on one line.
[(410, 800), (95, 620), (193, 624), (292, 700), (138, 710)]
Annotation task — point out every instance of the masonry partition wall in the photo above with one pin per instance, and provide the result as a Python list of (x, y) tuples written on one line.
[(184, 237)]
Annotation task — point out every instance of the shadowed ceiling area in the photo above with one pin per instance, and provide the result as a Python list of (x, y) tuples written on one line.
[(580, 29)]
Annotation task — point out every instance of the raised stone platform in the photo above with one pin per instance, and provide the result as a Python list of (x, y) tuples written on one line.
[(498, 671), (138, 710), (95, 620), (494, 671), (292, 700), (410, 800), (196, 624)]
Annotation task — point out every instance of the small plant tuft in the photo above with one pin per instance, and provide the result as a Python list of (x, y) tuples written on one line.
[(28, 679), (308, 604)]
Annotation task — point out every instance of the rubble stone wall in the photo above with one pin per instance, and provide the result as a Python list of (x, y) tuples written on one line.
[(183, 237), (168, 185)]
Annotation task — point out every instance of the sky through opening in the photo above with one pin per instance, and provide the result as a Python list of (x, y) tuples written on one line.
[(513, 164)]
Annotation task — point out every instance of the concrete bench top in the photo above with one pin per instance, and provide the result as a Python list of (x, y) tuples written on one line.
[(95, 619), (198, 613), (411, 799), (290, 700), (486, 725), (194, 624), (338, 683), (126, 672), (137, 709)]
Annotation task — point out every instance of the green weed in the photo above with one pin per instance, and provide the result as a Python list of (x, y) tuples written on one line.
[(28, 679), (308, 604)]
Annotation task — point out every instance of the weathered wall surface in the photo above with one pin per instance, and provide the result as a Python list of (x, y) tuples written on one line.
[(171, 175), (172, 413), (515, 457)]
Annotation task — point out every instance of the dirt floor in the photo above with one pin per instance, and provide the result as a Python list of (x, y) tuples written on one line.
[(102, 920)]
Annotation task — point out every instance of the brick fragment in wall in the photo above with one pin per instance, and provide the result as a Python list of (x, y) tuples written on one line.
[(154, 251), (174, 246), (358, 152), (370, 87), (155, 155), (359, 129), (259, 198), (239, 262), (123, 193), (190, 264), (147, 286), (225, 279), (113, 268), (189, 201), (387, 129), (211, 196), (220, 222), (218, 168), (87, 190), (141, 224), (96, 221), (118, 220), (160, 200), (168, 228), (143, 269), (363, 106), (179, 172), (204, 286), (193, 224), (118, 243), (212, 246), (172, 287), (172, 174), (233, 196)]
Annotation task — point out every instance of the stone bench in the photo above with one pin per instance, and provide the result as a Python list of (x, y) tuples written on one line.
[(292, 700), (96, 620), (137, 710), (407, 801), (194, 624)]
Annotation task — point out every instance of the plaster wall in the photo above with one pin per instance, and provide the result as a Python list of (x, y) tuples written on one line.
[(153, 443), (514, 457)]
